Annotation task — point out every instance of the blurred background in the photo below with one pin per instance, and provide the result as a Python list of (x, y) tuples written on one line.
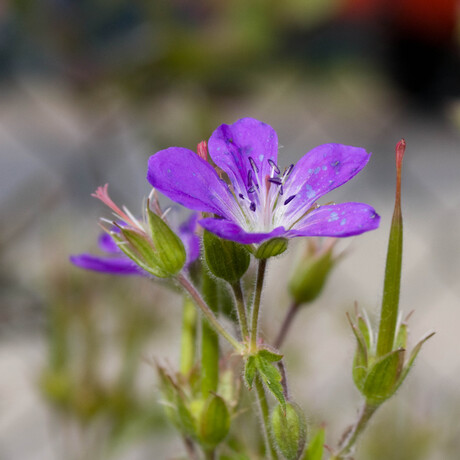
[(90, 89)]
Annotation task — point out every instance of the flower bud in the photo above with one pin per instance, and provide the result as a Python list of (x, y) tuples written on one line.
[(214, 421), (311, 274), (289, 430), (225, 259), (271, 248)]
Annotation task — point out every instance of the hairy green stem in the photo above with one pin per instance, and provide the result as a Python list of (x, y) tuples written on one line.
[(207, 312), (188, 338), (241, 309), (256, 302), (350, 439), (270, 453)]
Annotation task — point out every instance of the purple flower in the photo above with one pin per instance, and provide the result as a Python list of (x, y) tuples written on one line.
[(115, 262), (260, 201)]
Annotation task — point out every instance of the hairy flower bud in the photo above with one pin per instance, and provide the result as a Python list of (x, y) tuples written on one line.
[(214, 422), (311, 274), (289, 430)]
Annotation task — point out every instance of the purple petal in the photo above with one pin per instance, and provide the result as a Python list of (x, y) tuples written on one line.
[(187, 233), (113, 265), (107, 244), (323, 169), (231, 146), (339, 220), (185, 178), (230, 231)]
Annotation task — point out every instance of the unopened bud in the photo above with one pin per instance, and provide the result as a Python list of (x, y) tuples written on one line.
[(289, 430), (214, 421), (202, 150), (310, 276)]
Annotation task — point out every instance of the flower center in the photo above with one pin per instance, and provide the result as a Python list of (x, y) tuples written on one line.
[(262, 203)]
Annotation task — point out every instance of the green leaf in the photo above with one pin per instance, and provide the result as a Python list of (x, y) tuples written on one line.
[(381, 379), (269, 355), (271, 376), (316, 446), (250, 371)]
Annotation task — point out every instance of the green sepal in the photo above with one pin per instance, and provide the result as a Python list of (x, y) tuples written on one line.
[(214, 421), (382, 377), (271, 248), (175, 405), (250, 371), (366, 330), (169, 392), (169, 249), (187, 422), (315, 447), (411, 360), (310, 277), (401, 337), (225, 259), (271, 376), (127, 249), (360, 361), (289, 430), (135, 239)]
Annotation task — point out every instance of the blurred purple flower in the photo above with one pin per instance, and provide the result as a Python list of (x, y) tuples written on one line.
[(261, 202), (115, 262)]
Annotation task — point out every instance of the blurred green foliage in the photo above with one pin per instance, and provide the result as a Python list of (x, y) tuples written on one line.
[(96, 352)]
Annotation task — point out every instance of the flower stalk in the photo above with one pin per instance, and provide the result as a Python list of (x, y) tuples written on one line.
[(209, 341), (256, 303), (241, 309), (350, 439), (270, 453), (207, 312), (188, 336)]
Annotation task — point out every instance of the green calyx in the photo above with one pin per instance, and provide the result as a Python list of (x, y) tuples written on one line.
[(161, 253), (379, 377), (225, 259)]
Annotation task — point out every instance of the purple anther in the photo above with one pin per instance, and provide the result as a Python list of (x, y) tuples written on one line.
[(289, 199)]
